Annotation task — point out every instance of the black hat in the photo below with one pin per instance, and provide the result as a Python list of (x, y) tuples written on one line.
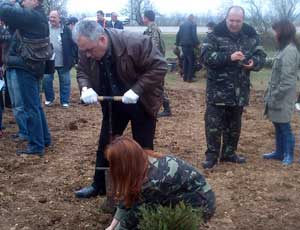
[(72, 20)]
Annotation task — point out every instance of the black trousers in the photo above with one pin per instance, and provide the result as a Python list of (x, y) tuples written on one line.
[(188, 62), (142, 125), (222, 124)]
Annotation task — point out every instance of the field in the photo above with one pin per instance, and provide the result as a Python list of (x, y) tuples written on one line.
[(38, 193)]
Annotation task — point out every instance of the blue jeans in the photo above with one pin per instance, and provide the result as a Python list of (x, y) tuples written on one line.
[(64, 85), (38, 132), (285, 140), (13, 85), (1, 110)]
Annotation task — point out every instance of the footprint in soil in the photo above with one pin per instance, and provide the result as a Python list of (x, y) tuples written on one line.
[(73, 125)]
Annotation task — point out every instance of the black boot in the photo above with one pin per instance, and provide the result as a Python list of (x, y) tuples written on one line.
[(234, 159), (209, 163), (90, 191), (167, 109)]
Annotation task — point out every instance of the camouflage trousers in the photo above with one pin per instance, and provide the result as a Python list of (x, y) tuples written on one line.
[(222, 125)]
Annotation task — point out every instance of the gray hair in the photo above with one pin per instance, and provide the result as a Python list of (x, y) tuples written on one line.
[(87, 28)]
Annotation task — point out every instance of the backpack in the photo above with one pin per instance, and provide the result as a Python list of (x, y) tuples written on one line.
[(39, 49)]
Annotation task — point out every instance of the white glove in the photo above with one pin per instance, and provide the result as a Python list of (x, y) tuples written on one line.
[(89, 96), (130, 97), (297, 106)]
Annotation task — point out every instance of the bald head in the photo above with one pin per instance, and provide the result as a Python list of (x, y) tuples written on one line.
[(235, 18), (114, 16), (54, 18)]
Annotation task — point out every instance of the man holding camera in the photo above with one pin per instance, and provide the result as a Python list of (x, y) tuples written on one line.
[(230, 53), (28, 52)]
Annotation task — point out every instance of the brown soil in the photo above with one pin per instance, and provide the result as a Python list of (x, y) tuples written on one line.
[(37, 193)]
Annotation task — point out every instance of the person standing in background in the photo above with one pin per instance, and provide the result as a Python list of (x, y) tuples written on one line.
[(155, 33), (64, 59), (281, 91), (114, 22), (101, 19), (188, 40)]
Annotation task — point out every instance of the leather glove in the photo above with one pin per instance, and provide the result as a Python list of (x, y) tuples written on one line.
[(130, 97), (89, 96)]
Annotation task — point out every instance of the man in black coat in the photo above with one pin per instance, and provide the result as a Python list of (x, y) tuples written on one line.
[(188, 40), (65, 56), (115, 23), (31, 25)]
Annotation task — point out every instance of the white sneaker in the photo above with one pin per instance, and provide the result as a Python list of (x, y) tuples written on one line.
[(297, 106), (49, 103), (65, 105)]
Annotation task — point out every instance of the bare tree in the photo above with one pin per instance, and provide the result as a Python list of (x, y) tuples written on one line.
[(56, 4), (289, 9), (136, 8), (261, 13), (255, 15), (224, 8)]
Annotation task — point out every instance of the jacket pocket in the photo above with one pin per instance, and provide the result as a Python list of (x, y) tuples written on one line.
[(275, 104)]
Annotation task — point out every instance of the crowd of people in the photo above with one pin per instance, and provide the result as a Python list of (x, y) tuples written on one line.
[(114, 62)]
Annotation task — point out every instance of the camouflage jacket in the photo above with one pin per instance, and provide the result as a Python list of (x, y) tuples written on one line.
[(155, 33), (228, 82), (169, 181)]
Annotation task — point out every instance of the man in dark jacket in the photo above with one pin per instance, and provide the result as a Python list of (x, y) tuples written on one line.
[(230, 53), (188, 40), (31, 24), (116, 63), (115, 23), (64, 60)]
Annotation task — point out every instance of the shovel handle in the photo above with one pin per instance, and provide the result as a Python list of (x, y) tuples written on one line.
[(110, 98), (102, 168)]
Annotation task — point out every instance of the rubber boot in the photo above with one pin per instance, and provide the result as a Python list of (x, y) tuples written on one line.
[(167, 109), (289, 155), (278, 153), (289, 145), (273, 155)]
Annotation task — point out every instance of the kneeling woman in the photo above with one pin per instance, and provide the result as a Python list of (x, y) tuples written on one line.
[(145, 177), (281, 92)]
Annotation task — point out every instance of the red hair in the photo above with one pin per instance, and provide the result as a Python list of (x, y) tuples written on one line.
[(128, 166)]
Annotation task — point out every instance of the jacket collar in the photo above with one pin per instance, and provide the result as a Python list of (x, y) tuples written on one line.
[(116, 43), (221, 30)]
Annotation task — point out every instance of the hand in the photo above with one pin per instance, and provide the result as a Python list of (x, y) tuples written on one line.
[(237, 56), (89, 96), (250, 65), (130, 97), (113, 225)]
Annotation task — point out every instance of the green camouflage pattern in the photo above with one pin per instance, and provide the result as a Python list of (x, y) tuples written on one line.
[(169, 181), (228, 82), (222, 125), (155, 33)]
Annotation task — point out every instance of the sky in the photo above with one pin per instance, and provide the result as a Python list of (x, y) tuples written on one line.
[(163, 6)]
